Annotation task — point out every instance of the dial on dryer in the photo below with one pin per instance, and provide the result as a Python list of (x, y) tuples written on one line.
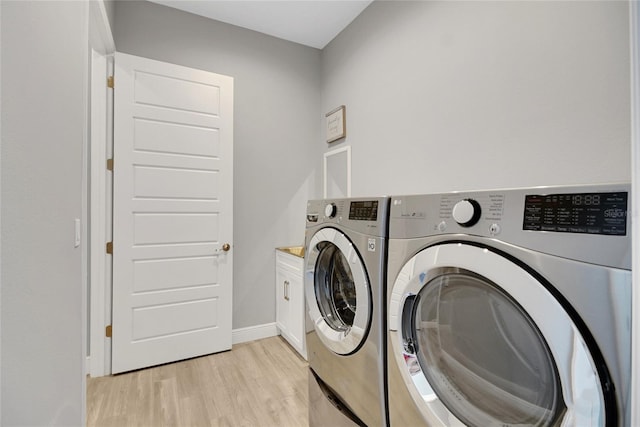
[(330, 210), (467, 212)]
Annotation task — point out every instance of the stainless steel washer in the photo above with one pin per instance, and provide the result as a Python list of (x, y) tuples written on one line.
[(510, 308), (344, 275)]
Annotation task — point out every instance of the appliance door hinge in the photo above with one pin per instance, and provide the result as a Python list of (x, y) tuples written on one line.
[(110, 83), (110, 248), (109, 164), (108, 331)]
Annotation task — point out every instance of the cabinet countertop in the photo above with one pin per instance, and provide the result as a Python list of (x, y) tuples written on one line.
[(293, 250)]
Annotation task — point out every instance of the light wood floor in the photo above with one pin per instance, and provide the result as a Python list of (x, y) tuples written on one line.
[(260, 383)]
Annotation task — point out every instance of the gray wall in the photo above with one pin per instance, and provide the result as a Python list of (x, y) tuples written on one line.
[(43, 114), (463, 95), (440, 96), (276, 132), (110, 8)]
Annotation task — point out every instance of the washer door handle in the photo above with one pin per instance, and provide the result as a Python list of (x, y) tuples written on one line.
[(409, 341)]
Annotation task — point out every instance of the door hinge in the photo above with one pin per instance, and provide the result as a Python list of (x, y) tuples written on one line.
[(109, 164), (110, 248), (108, 330), (110, 83)]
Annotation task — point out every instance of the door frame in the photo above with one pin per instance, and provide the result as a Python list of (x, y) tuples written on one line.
[(634, 37), (102, 48)]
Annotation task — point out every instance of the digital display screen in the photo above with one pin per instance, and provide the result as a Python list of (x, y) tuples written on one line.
[(364, 211), (588, 213)]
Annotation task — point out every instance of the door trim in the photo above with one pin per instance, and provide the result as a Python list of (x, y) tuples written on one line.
[(100, 214), (100, 34), (634, 36), (102, 48)]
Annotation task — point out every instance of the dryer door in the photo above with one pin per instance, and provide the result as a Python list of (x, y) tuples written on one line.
[(482, 342), (337, 291)]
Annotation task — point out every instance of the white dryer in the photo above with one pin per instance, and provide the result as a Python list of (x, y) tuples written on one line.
[(510, 308), (344, 277)]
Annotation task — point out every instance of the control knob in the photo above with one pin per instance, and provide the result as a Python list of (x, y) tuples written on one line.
[(467, 212), (330, 210)]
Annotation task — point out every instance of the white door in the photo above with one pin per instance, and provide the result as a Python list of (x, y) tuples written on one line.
[(172, 213)]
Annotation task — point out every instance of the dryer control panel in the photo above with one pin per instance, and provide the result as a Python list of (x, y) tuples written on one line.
[(589, 213), (588, 223)]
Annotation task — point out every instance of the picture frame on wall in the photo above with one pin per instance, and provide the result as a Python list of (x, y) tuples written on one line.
[(336, 124)]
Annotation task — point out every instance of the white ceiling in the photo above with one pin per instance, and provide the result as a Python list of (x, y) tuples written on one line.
[(309, 22)]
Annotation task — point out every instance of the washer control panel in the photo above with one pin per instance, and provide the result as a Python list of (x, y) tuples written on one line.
[(368, 215), (363, 210)]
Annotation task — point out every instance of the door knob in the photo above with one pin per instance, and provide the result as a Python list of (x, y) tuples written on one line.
[(226, 247)]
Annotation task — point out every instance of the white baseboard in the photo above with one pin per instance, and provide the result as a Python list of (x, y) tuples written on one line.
[(253, 333)]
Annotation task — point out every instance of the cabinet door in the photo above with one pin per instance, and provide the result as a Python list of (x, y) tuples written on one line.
[(282, 300), (290, 303), (296, 312)]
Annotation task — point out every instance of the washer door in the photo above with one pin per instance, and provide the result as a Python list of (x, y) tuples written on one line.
[(481, 342), (337, 291)]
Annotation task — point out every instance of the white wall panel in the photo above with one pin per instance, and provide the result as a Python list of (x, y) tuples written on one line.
[(176, 94), (175, 228), (154, 322), (171, 273), (160, 136), (175, 183)]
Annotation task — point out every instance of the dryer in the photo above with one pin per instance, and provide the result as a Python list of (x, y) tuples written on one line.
[(344, 279), (510, 307)]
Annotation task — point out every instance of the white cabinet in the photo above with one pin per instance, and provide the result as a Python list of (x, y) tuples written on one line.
[(290, 299)]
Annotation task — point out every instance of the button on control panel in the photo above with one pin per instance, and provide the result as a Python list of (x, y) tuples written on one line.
[(494, 229)]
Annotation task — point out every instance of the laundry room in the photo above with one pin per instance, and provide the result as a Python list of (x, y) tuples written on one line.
[(436, 97)]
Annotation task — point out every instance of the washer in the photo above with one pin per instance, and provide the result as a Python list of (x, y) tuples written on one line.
[(344, 276), (510, 308)]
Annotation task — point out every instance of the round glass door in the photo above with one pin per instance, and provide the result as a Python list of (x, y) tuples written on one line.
[(482, 353), (337, 291), (485, 344)]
